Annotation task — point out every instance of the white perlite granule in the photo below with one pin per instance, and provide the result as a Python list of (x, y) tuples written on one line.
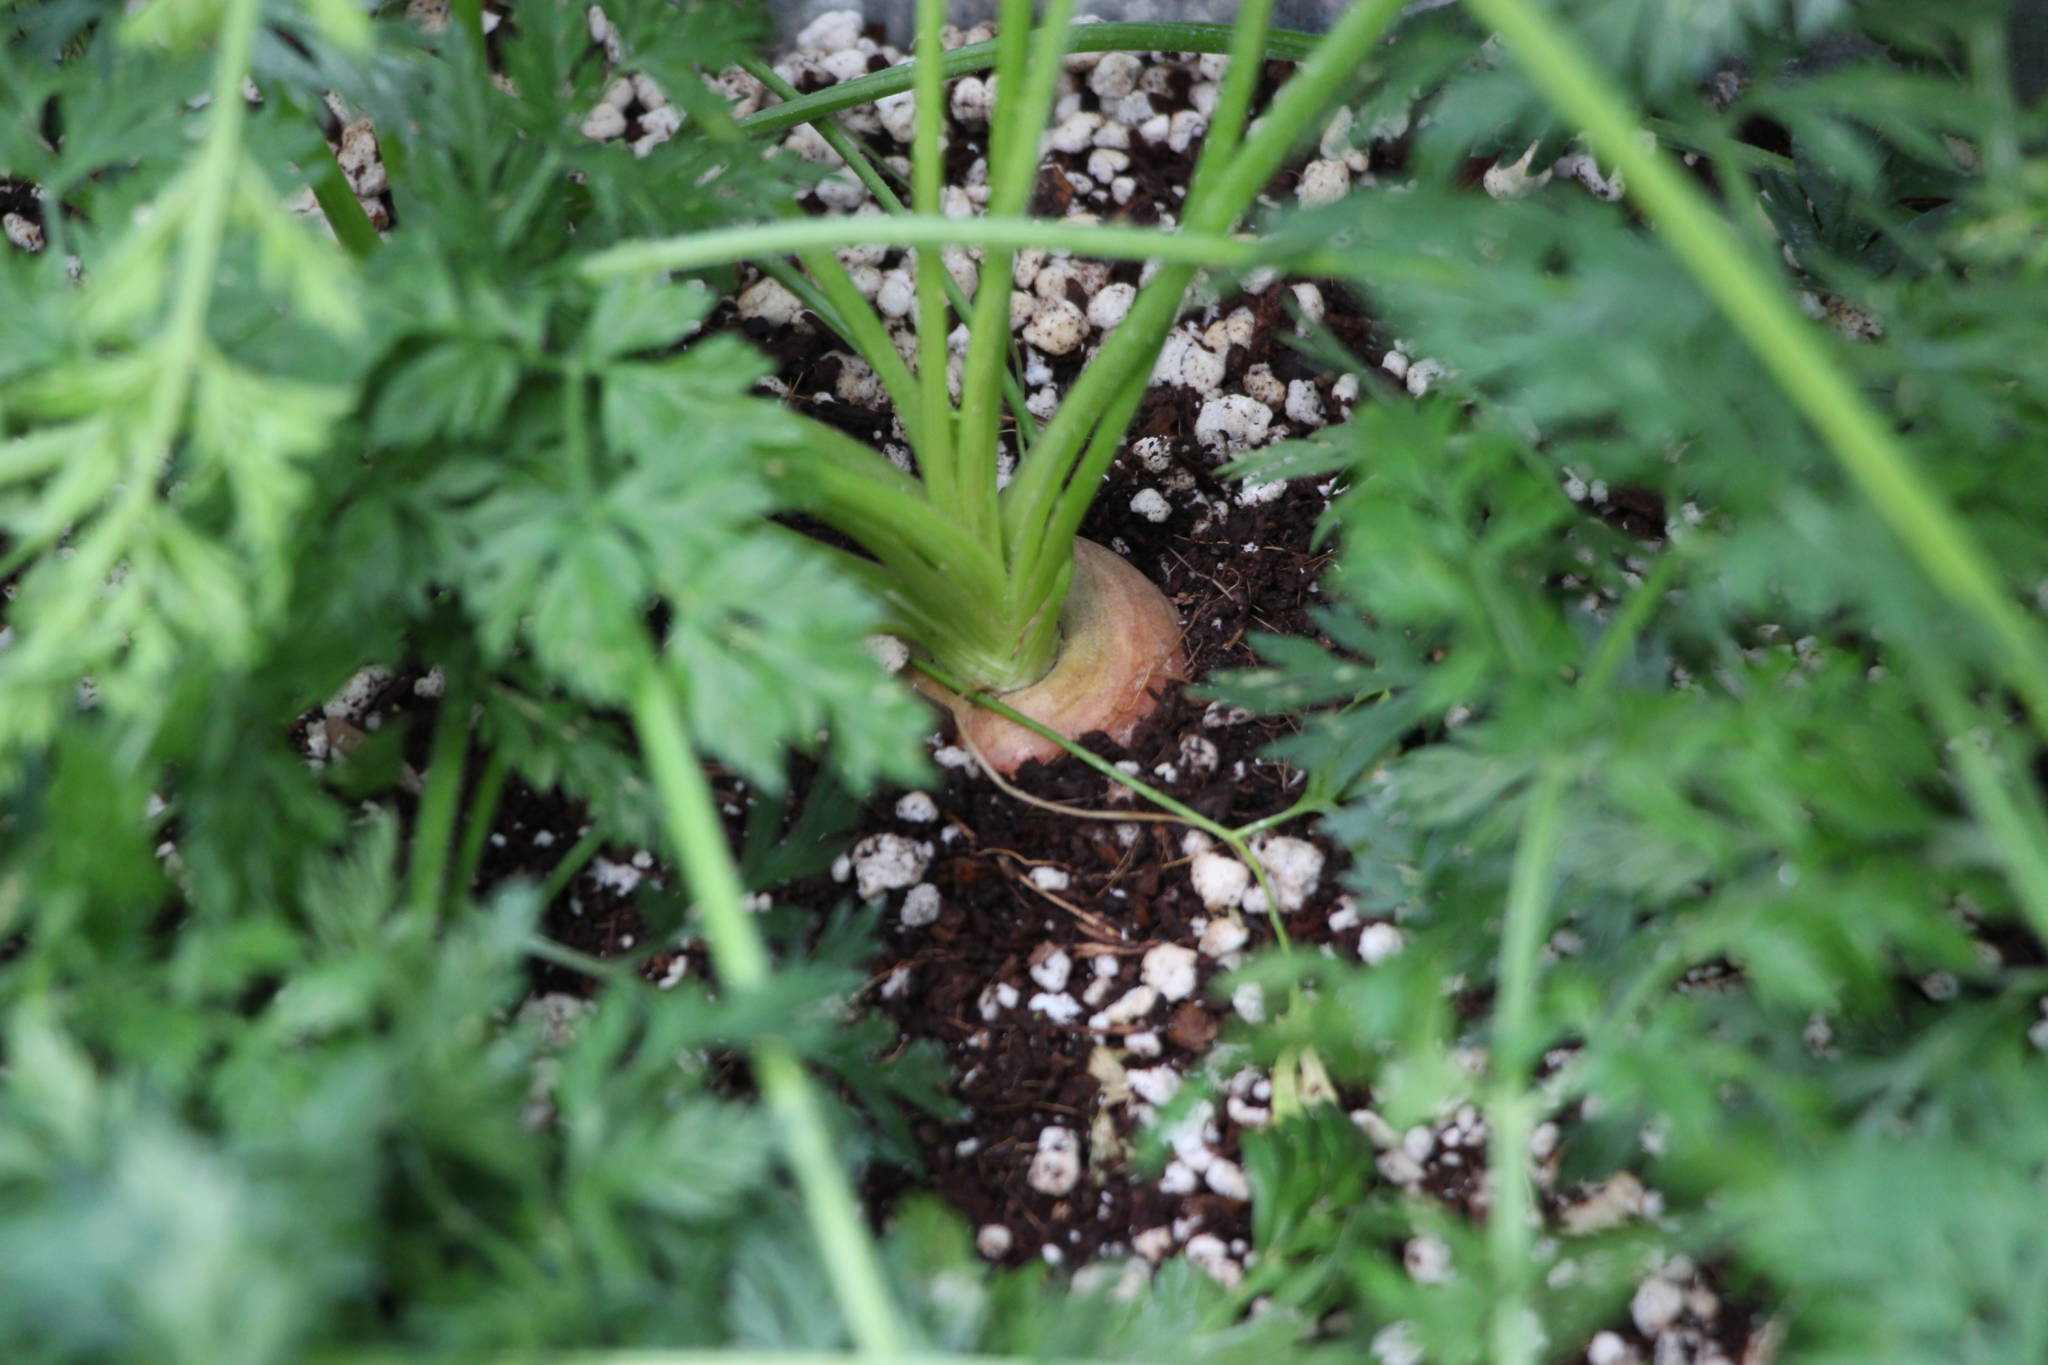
[(888, 862), (1294, 866), (1219, 879), (1171, 970), (1155, 1085), (916, 808), (1052, 972), (1057, 327), (1378, 942), (1111, 305), (1223, 936), (1232, 423), (1132, 1006), (1056, 1165), (1050, 878), (1152, 505), (920, 906), (1323, 181)]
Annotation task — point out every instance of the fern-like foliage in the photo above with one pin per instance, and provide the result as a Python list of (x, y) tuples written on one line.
[(1603, 553)]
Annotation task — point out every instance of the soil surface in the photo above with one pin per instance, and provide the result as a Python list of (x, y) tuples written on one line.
[(1064, 961), (1063, 948), (1067, 960)]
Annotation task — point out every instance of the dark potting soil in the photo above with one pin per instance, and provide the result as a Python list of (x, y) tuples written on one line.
[(1025, 942), (1124, 886)]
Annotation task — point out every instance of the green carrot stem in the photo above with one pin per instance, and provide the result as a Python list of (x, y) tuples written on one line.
[(476, 828), (1027, 82), (933, 435), (857, 490), (433, 834), (2001, 792), (570, 959), (1517, 1042), (1182, 247), (571, 865), (873, 343), (1058, 467), (1234, 100), (344, 212), (850, 314), (691, 813)]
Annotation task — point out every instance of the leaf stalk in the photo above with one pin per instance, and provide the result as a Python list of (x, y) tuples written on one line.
[(741, 957)]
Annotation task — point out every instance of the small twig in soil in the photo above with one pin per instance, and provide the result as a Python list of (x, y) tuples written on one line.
[(1090, 921), (1184, 813)]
